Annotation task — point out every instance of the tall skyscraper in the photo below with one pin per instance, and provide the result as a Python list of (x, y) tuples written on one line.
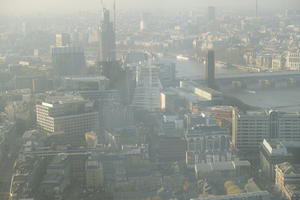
[(68, 60), (107, 38), (211, 13), (62, 40), (148, 86), (210, 69)]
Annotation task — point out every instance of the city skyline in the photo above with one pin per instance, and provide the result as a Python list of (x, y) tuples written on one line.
[(149, 100), (56, 6)]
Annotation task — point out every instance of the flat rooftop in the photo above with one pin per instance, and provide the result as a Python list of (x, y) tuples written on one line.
[(289, 169), (86, 78), (63, 99)]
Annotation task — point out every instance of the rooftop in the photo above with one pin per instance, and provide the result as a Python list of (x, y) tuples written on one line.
[(67, 98), (289, 169), (275, 147), (293, 188), (221, 166), (86, 78)]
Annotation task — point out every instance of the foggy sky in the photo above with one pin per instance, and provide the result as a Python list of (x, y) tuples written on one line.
[(28, 6)]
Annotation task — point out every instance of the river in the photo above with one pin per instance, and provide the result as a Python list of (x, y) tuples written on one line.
[(194, 70), (279, 99)]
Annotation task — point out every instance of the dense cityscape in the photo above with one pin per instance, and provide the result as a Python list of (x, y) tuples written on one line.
[(199, 104)]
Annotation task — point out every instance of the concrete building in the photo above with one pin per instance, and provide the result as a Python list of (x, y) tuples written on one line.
[(251, 128), (167, 74), (272, 152), (171, 149), (88, 83), (210, 69), (107, 41), (69, 114), (205, 93), (278, 62), (263, 195), (208, 144), (288, 180), (209, 94), (211, 13), (293, 60), (148, 87), (94, 174), (222, 169), (62, 40), (68, 60)]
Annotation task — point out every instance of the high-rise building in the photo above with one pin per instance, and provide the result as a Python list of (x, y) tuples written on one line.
[(62, 40), (250, 129), (94, 174), (148, 87), (211, 13), (210, 69), (69, 114), (68, 60), (107, 41)]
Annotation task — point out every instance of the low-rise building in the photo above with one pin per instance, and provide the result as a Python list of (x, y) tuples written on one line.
[(273, 152), (222, 169), (293, 60), (264, 195), (251, 128)]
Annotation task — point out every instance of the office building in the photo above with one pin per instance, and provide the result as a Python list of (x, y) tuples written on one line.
[(68, 114), (34, 83), (94, 174), (62, 40), (222, 170), (41, 85), (86, 83), (210, 69), (206, 93), (107, 43), (167, 74), (68, 60), (208, 144), (251, 128), (148, 87), (170, 149), (273, 152), (211, 13)]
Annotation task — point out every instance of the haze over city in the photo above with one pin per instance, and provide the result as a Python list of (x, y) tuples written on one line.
[(56, 6), (149, 100)]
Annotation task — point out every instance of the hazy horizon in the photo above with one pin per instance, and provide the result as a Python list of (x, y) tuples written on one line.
[(15, 7)]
